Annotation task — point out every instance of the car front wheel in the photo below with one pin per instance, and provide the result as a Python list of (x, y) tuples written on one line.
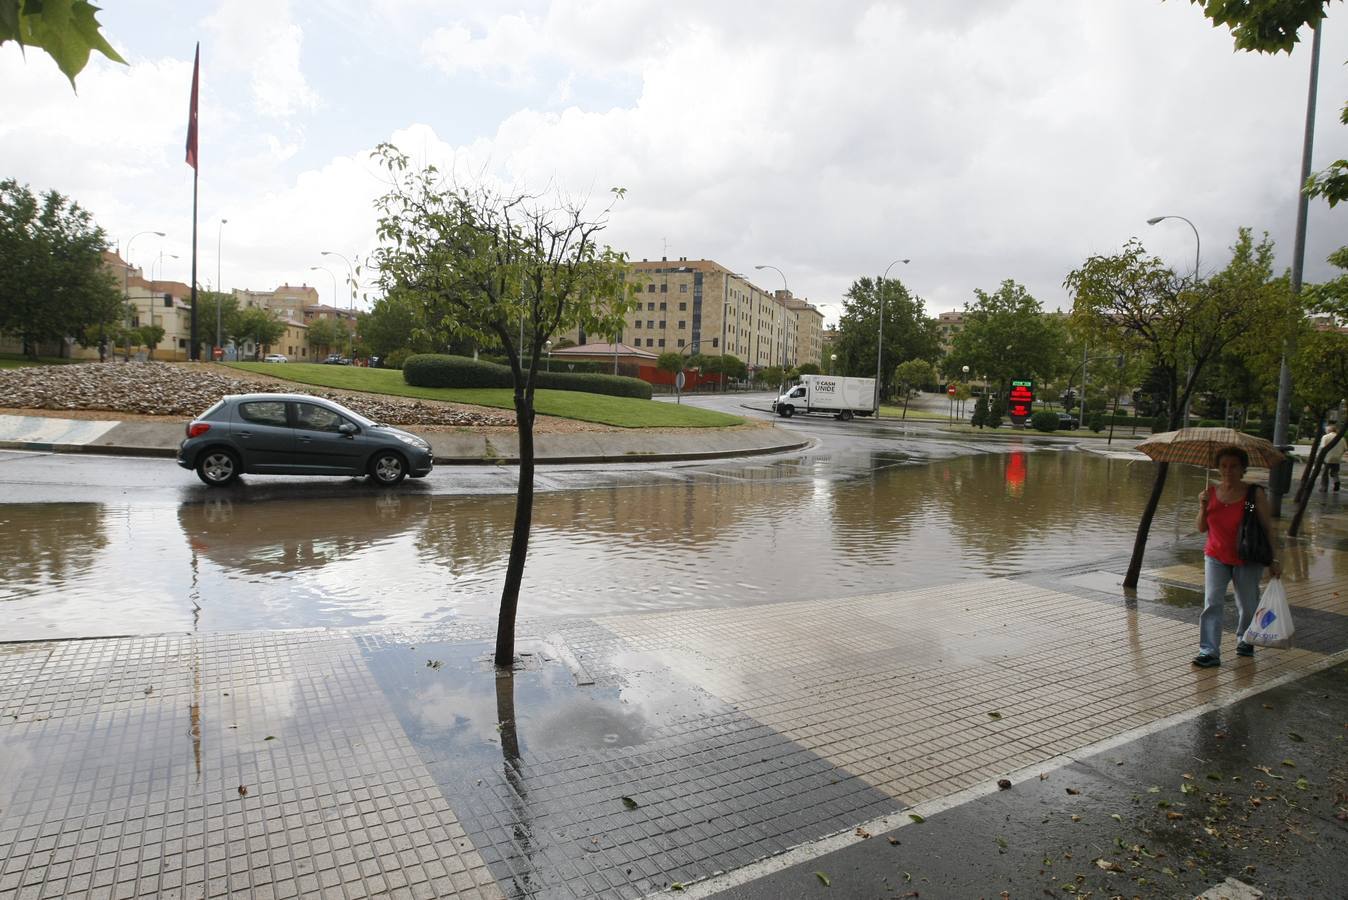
[(218, 467), (388, 467), (786, 411)]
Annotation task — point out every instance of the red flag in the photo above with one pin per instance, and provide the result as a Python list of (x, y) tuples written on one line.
[(192, 113)]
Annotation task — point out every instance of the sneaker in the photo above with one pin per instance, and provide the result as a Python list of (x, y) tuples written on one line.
[(1244, 649), (1204, 661)]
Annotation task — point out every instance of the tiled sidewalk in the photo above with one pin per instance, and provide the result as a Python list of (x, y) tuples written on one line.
[(626, 754)]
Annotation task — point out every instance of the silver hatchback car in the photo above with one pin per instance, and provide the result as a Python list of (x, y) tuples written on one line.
[(295, 434)]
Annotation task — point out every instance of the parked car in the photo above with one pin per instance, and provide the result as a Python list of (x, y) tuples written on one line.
[(295, 434), (337, 359), (1067, 421), (274, 357)]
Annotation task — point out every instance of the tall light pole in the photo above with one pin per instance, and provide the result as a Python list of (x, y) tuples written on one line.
[(334, 281), (219, 287), (786, 290), (126, 270), (351, 270), (1198, 246), (880, 332)]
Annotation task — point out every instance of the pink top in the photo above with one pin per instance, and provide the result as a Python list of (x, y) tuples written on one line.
[(1223, 527)]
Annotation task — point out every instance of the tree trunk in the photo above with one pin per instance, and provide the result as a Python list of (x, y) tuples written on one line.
[(1308, 487), (1144, 526), (519, 541)]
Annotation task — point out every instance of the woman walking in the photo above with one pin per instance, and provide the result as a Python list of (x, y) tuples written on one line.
[(1220, 509)]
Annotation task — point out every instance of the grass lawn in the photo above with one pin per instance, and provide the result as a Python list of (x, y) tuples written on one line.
[(622, 412), (18, 360)]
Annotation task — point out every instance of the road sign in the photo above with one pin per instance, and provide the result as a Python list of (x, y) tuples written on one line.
[(951, 390), (678, 381)]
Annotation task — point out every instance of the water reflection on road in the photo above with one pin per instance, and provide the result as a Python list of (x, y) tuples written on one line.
[(731, 534)]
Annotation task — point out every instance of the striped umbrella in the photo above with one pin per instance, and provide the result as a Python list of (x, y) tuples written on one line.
[(1199, 446)]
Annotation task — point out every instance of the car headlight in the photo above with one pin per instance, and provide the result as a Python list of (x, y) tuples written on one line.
[(412, 440)]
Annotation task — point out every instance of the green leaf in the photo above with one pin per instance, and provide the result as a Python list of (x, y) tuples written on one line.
[(916, 818), (66, 29), (822, 877), (270, 737), (1292, 735), (1116, 817), (1288, 763), (1303, 784), (994, 715), (630, 803)]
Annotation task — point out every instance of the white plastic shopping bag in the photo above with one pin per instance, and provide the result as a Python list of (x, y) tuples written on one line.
[(1272, 625)]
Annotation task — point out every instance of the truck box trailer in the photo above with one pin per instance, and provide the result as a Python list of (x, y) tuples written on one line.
[(839, 397)]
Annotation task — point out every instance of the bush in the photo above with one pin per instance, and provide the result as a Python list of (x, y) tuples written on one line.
[(397, 358), (1159, 423), (996, 412), (1095, 422), (980, 416), (1044, 421), (434, 370)]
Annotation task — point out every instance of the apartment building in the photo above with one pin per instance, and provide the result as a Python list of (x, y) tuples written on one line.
[(701, 306)]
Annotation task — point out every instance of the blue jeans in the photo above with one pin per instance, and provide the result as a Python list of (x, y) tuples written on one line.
[(1216, 576)]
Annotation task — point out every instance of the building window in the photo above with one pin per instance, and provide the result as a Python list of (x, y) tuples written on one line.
[(650, 323), (650, 342), (650, 288), (683, 289), (682, 307), (662, 323), (662, 342), (680, 342), (650, 306), (636, 324), (664, 288), (662, 306), (683, 323)]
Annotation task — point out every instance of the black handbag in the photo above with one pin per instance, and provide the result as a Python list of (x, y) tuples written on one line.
[(1252, 543)]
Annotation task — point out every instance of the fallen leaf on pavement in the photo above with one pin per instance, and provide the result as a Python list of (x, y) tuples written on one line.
[(1172, 815), (630, 803), (1293, 736), (862, 833), (822, 877), (1108, 865), (994, 715), (243, 791), (1003, 784), (1073, 791), (916, 818)]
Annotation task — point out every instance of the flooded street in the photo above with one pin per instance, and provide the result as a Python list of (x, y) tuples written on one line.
[(338, 553)]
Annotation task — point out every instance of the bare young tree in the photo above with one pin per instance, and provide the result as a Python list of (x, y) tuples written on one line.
[(507, 269)]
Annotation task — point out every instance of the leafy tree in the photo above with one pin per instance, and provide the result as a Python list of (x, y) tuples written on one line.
[(996, 412), (732, 366), (227, 305), (396, 322), (326, 335), (482, 264), (980, 416), (671, 362), (53, 284), (259, 326), (808, 369), (772, 375), (908, 375), (1006, 335), (1271, 26), (67, 30), (1133, 303), (1320, 373), (908, 333), (149, 336)]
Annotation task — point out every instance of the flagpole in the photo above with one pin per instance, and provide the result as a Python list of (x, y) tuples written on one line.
[(194, 351)]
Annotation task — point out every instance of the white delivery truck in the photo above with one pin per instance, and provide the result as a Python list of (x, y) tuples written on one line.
[(840, 397)]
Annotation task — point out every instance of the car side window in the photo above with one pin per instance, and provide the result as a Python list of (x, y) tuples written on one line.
[(317, 418), (798, 392), (264, 412)]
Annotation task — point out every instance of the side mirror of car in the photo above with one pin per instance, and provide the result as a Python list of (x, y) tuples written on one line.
[(348, 429)]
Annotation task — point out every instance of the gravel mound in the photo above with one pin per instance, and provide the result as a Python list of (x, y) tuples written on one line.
[(165, 389)]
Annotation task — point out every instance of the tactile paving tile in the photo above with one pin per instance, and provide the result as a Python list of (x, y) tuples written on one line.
[(538, 776), (928, 691), (122, 775)]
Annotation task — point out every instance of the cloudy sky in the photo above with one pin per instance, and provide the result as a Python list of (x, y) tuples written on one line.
[(985, 140)]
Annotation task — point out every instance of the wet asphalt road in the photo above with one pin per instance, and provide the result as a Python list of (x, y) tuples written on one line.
[(1256, 791)]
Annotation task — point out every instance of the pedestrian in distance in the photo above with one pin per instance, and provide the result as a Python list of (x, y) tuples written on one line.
[(1220, 509), (1333, 459)]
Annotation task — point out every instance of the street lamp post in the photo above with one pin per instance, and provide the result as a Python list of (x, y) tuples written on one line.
[(351, 270), (833, 364), (1198, 245), (219, 288), (126, 269), (154, 280), (965, 370), (786, 290), (880, 332), (548, 345)]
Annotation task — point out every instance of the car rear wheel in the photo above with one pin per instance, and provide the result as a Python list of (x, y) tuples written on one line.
[(388, 467), (845, 415), (218, 467)]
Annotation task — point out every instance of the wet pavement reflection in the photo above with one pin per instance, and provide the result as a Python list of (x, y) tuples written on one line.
[(264, 556)]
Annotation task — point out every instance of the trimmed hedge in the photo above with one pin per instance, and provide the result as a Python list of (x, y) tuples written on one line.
[(437, 370), (1044, 421)]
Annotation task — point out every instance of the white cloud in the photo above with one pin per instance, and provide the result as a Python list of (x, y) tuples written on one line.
[(259, 37)]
